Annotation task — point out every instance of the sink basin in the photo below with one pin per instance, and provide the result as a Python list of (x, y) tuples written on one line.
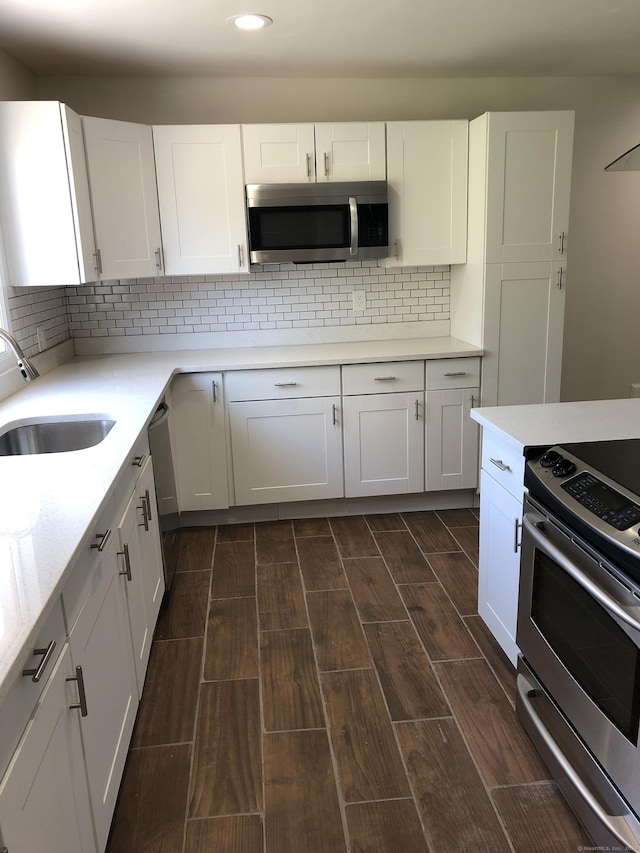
[(54, 435)]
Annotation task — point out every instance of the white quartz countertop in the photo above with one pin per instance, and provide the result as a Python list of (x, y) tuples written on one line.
[(49, 502), (557, 423)]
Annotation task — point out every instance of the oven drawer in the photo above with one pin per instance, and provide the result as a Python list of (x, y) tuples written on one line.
[(275, 383), (503, 462)]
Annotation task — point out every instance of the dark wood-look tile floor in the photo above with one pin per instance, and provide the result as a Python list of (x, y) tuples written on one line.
[(327, 686)]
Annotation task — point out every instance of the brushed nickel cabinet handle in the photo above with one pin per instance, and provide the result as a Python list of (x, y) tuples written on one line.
[(36, 674), (384, 378), (138, 461), (334, 411), (516, 541), (214, 391), (98, 264), (159, 260), (457, 373), (308, 165), (417, 410), (145, 518), (127, 562), (147, 498), (82, 696), (326, 165), (103, 537), (500, 464), (284, 384)]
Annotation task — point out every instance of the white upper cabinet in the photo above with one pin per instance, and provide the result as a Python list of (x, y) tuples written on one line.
[(45, 210), (528, 169), (124, 198), (201, 197), (305, 153), (427, 176), (350, 151)]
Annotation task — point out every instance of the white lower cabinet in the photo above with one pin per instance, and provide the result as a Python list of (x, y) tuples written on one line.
[(383, 432), (501, 496), (69, 740), (44, 803), (451, 436), (106, 691), (199, 441), (143, 577), (286, 450), (286, 434)]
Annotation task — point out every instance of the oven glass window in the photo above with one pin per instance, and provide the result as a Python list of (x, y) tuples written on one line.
[(590, 644), (312, 227)]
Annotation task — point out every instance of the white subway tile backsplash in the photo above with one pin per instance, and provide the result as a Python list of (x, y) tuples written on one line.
[(275, 296)]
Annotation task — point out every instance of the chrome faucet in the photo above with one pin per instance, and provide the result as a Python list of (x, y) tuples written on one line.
[(27, 370)]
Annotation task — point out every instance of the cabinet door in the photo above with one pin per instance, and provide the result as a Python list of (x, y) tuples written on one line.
[(201, 198), (499, 564), (199, 441), (44, 803), (44, 195), (350, 151), (101, 647), (528, 185), (451, 439), (427, 176), (383, 444), (141, 561), (524, 321), (278, 153), (286, 450), (124, 198)]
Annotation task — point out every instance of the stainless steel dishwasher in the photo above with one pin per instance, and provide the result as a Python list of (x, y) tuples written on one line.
[(166, 494)]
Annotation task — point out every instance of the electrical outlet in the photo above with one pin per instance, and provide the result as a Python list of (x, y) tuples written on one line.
[(359, 300), (41, 334)]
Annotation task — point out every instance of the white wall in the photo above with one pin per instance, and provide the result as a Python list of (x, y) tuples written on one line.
[(602, 344), (16, 83)]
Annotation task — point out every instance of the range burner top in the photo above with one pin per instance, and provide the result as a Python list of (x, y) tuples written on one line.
[(617, 460)]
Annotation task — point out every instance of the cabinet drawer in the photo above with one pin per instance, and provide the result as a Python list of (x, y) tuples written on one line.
[(86, 572), (276, 383), (18, 706), (504, 463), (453, 373), (382, 377)]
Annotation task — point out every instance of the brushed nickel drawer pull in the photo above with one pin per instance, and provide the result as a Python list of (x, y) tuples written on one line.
[(138, 461), (285, 384), (417, 410), (36, 674), (147, 498), (457, 373), (334, 410), (82, 696), (103, 537), (385, 378), (500, 464)]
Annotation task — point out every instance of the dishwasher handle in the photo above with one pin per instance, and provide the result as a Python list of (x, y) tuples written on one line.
[(160, 415)]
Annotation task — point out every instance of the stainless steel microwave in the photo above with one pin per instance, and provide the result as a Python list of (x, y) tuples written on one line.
[(317, 222)]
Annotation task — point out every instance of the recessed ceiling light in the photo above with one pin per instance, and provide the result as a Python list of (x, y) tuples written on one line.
[(250, 22)]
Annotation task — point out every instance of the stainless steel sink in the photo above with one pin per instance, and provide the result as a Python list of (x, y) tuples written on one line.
[(54, 435)]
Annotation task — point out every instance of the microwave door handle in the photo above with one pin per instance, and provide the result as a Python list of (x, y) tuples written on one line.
[(353, 218), (626, 613)]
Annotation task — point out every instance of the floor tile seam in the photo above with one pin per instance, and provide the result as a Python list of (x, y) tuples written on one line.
[(323, 705), (292, 730), (453, 604), (487, 789), (199, 818), (231, 597), (381, 800), (261, 710), (154, 746), (462, 547), (489, 664), (424, 719), (398, 530), (197, 709), (345, 557)]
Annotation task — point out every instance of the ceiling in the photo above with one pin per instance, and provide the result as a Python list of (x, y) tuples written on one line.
[(325, 38)]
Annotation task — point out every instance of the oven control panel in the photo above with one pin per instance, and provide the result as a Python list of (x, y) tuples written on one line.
[(602, 500)]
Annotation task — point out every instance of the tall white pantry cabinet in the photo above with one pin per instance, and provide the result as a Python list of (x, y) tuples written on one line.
[(509, 296)]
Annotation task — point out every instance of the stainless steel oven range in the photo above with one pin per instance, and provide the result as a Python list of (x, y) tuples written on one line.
[(579, 630)]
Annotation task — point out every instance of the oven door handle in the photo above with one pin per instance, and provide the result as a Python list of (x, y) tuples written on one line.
[(616, 824), (624, 612)]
